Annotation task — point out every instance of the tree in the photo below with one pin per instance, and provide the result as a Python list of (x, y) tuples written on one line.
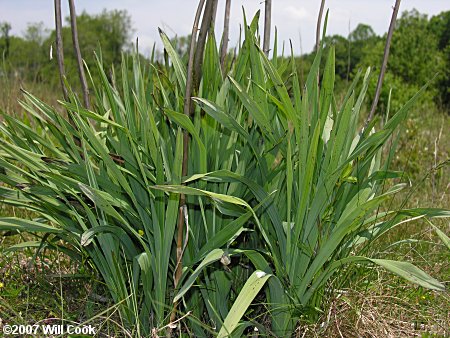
[(440, 26), (362, 33), (341, 53), (414, 59), (34, 51), (108, 34), (5, 27), (36, 32), (360, 38), (24, 56), (110, 30), (348, 52), (415, 54)]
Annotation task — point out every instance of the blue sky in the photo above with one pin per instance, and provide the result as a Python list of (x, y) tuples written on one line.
[(293, 18)]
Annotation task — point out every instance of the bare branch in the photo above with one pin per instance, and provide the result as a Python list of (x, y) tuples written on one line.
[(225, 35), (385, 60), (267, 24), (59, 48), (76, 46), (319, 24)]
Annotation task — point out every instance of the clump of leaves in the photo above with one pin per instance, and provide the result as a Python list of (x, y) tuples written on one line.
[(283, 187)]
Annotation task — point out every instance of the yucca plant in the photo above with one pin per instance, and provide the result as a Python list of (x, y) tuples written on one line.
[(283, 188)]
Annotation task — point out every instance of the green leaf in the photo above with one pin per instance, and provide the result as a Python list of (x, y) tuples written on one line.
[(218, 114), (179, 68), (224, 235), (444, 238), (13, 223), (410, 273), (181, 189), (255, 111), (24, 245), (251, 288), (89, 235), (210, 258)]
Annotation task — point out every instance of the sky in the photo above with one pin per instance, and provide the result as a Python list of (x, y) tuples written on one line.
[(294, 19)]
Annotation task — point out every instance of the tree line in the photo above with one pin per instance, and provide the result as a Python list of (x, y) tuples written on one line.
[(31, 57), (420, 50)]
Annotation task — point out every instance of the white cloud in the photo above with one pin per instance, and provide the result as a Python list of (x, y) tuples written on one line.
[(297, 13)]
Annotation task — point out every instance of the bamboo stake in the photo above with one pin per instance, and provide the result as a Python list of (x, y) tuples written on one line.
[(76, 46), (385, 60)]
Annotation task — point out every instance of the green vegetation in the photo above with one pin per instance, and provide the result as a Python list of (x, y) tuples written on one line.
[(31, 59), (289, 200), (27, 57), (420, 49)]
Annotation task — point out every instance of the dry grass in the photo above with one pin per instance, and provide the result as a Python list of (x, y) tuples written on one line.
[(380, 312), (10, 92)]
